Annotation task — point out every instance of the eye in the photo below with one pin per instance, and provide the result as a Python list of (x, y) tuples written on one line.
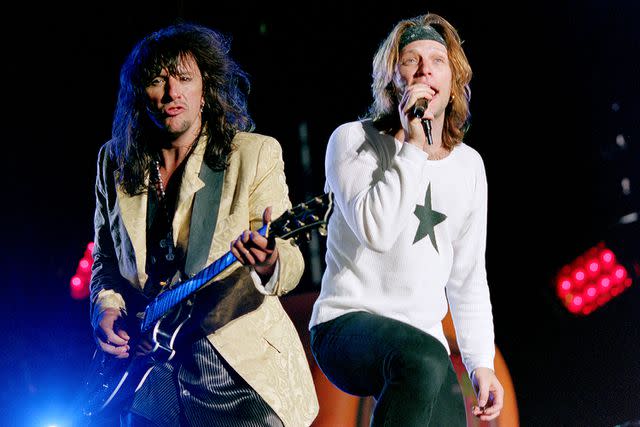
[(440, 60), (156, 81), (411, 60)]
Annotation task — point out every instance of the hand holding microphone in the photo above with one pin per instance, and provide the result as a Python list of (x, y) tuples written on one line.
[(419, 108)]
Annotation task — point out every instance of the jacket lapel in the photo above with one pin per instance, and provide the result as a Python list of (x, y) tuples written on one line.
[(203, 218), (133, 211)]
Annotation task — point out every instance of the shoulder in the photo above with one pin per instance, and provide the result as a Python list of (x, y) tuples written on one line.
[(248, 143), (107, 154), (253, 149), (354, 136), (469, 155), (349, 130)]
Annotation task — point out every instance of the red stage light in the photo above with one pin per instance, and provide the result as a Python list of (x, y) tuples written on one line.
[(79, 283), (591, 280)]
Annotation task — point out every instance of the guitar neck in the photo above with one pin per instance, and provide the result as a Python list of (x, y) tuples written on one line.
[(168, 299)]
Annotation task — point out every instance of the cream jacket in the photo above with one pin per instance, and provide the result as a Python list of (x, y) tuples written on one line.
[(262, 345)]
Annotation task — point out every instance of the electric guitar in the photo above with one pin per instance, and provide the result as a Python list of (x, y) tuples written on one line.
[(112, 382)]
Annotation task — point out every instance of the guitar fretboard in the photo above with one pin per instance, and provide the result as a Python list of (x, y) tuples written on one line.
[(172, 297)]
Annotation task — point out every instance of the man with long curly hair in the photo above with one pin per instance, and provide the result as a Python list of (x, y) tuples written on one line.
[(182, 182)]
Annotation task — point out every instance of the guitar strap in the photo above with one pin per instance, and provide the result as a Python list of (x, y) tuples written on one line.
[(203, 219)]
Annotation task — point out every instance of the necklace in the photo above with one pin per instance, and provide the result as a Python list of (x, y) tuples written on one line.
[(162, 198)]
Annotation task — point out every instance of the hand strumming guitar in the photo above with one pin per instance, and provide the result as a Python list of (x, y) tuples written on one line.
[(250, 248), (109, 337)]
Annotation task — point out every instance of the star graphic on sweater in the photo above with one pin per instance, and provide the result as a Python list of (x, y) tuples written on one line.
[(428, 220)]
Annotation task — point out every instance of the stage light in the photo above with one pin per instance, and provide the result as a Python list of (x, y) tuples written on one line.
[(79, 283), (592, 279), (606, 270)]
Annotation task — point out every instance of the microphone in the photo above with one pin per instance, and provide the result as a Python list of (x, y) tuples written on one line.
[(419, 109), (426, 125)]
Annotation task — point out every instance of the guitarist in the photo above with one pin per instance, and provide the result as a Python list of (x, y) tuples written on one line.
[(181, 182)]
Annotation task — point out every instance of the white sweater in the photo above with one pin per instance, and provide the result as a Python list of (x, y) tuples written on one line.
[(382, 258)]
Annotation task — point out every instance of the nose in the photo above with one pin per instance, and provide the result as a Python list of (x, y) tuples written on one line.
[(173, 88), (424, 68)]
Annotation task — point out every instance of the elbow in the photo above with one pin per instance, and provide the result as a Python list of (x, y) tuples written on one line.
[(377, 239), (374, 233)]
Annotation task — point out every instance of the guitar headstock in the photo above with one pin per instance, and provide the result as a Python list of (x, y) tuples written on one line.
[(298, 221)]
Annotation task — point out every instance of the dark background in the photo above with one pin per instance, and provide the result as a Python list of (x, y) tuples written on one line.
[(554, 83)]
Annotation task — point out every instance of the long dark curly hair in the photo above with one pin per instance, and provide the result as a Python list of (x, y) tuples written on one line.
[(225, 90)]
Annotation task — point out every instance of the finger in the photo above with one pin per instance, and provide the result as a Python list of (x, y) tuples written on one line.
[(123, 334), (240, 251), (258, 255), (249, 258), (485, 414), (414, 93), (496, 401), (492, 408), (236, 253), (266, 215), (264, 257), (488, 417), (483, 395), (491, 411), (115, 350), (122, 355), (115, 339), (258, 240), (267, 243)]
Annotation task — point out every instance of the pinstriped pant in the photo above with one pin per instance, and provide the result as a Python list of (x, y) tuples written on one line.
[(202, 391)]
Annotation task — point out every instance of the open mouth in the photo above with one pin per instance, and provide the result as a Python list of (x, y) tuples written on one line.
[(173, 111)]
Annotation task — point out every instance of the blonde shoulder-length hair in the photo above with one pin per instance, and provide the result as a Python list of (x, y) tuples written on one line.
[(384, 110)]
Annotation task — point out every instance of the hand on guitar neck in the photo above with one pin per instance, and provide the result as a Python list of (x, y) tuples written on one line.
[(252, 248)]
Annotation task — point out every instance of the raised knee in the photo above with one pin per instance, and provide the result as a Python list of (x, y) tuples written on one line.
[(419, 370)]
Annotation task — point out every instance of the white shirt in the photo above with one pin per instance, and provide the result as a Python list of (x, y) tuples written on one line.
[(404, 229)]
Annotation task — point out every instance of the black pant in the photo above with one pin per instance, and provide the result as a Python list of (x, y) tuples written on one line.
[(406, 370)]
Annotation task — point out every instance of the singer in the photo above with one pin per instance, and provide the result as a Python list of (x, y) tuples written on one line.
[(407, 239)]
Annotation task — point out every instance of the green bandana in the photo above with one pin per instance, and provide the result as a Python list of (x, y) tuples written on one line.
[(426, 32)]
